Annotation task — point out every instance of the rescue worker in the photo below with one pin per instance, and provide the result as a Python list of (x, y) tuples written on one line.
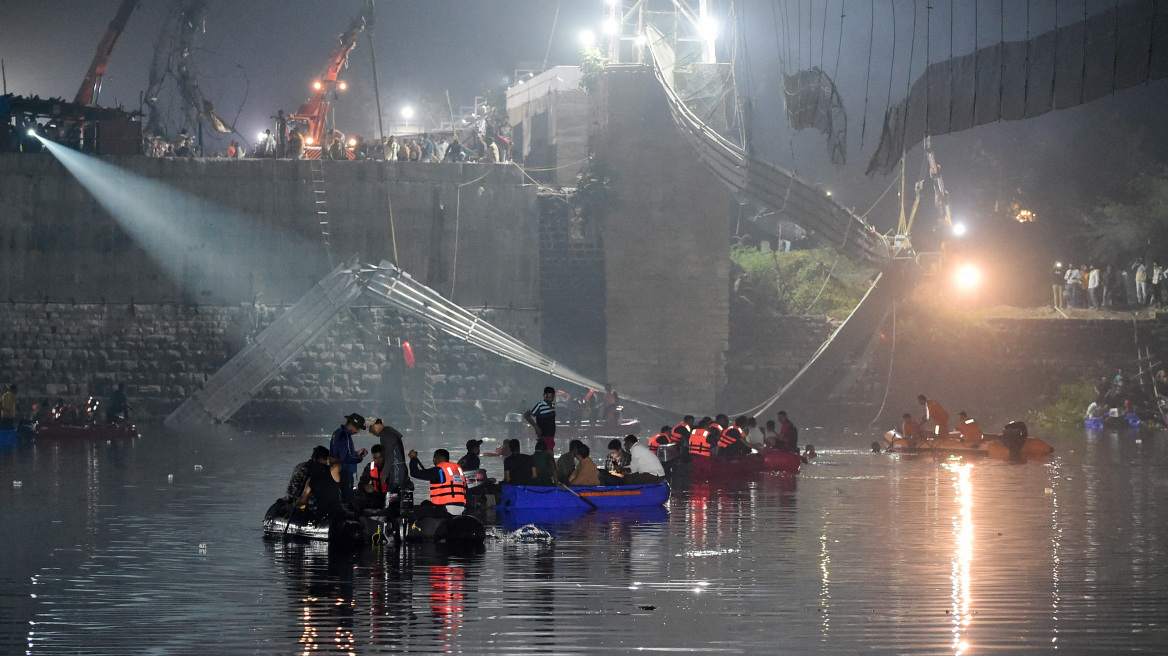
[(371, 488), (719, 424), (970, 431), (341, 448), (394, 474), (936, 414), (733, 440), (788, 433), (680, 433), (302, 472), (118, 408), (9, 409), (699, 439), (661, 439), (322, 494), (542, 417), (447, 483), (910, 430), (610, 408)]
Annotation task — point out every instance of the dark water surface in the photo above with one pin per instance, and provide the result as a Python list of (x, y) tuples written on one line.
[(860, 553)]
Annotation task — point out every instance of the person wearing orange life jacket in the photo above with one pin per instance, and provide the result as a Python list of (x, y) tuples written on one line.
[(699, 439), (733, 440), (936, 414), (716, 426), (970, 431), (609, 408), (447, 483), (371, 487), (910, 430), (661, 439)]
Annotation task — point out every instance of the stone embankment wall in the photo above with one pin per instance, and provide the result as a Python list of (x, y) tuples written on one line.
[(765, 353), (163, 353), (470, 230)]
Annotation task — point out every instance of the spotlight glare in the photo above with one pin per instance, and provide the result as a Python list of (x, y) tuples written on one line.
[(342, 85), (610, 27), (707, 29), (958, 229), (262, 136), (407, 113), (308, 141), (352, 143), (968, 277), (587, 38), (32, 132), (316, 85)]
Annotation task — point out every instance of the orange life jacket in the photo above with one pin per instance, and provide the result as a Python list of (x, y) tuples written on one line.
[(715, 431), (970, 431), (660, 439), (680, 432), (699, 444), (452, 489), (378, 484), (729, 436)]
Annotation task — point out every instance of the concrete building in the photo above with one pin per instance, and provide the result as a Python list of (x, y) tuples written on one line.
[(549, 125)]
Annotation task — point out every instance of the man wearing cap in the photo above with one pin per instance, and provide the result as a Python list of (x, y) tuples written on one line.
[(470, 461), (341, 448)]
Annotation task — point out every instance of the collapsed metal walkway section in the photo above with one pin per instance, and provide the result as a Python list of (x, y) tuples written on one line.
[(765, 183), (400, 290), (250, 371)]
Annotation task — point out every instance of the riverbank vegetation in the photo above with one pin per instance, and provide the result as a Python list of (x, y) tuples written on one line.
[(1066, 409), (816, 281)]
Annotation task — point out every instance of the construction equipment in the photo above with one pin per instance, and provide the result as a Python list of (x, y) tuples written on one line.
[(91, 85), (309, 120)]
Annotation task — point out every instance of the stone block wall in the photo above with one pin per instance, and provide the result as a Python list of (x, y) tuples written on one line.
[(163, 353), (766, 352)]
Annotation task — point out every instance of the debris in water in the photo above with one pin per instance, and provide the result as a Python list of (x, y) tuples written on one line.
[(170, 478), (647, 607), (198, 468), (528, 533), (17, 484), (1050, 490), (202, 547)]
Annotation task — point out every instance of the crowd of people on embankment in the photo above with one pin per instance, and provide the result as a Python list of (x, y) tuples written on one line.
[(1110, 287)]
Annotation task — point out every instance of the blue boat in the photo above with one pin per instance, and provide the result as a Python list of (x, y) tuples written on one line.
[(612, 497), (558, 520)]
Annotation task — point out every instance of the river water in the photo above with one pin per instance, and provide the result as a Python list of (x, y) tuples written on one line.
[(102, 554)]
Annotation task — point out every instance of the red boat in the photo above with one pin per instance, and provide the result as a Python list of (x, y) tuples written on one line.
[(53, 430), (781, 461), (727, 467)]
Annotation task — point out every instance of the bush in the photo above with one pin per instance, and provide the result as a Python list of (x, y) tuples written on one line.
[(1068, 407), (791, 282)]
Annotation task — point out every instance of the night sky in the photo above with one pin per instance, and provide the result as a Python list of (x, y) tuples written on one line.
[(1059, 165)]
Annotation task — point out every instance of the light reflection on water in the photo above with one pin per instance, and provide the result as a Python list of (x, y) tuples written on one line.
[(860, 553)]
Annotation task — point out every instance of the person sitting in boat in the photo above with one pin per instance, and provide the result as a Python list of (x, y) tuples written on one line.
[(321, 497), (518, 468), (543, 464), (616, 464), (9, 409), (660, 440), (301, 473), (699, 439), (471, 459), (809, 453), (910, 430), (371, 488), (610, 406), (118, 408), (715, 428), (644, 467), (447, 484), (770, 436), (542, 417), (936, 414), (567, 462), (585, 472), (788, 433), (970, 431), (732, 442)]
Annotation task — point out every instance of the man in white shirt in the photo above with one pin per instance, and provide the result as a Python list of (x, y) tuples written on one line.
[(1093, 287), (644, 467), (1074, 279)]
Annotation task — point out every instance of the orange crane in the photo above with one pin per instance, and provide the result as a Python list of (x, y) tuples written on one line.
[(310, 118), (91, 85)]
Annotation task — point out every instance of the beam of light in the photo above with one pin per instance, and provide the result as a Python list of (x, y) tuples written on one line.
[(208, 250), (708, 29), (587, 38), (963, 555), (610, 27)]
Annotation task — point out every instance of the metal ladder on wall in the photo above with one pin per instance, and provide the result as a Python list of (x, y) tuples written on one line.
[(320, 203), (429, 407)]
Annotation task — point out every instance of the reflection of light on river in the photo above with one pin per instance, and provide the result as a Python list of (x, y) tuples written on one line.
[(1056, 550), (963, 531), (824, 591)]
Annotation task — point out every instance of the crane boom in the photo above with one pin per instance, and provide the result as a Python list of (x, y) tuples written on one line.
[(91, 85), (315, 109)]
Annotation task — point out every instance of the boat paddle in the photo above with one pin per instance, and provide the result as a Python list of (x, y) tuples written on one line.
[(577, 495)]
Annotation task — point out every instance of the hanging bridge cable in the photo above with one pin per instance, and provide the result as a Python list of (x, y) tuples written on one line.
[(892, 66), (740, 27), (791, 64), (1026, 82), (1114, 39), (1083, 67), (839, 46), (799, 32), (951, 103), (912, 50), (928, 57), (976, 58), (457, 214), (823, 37), (552, 35), (868, 75), (1001, 54), (891, 359), (1054, 65)]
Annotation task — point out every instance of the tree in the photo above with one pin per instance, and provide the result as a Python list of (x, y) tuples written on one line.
[(1119, 231)]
